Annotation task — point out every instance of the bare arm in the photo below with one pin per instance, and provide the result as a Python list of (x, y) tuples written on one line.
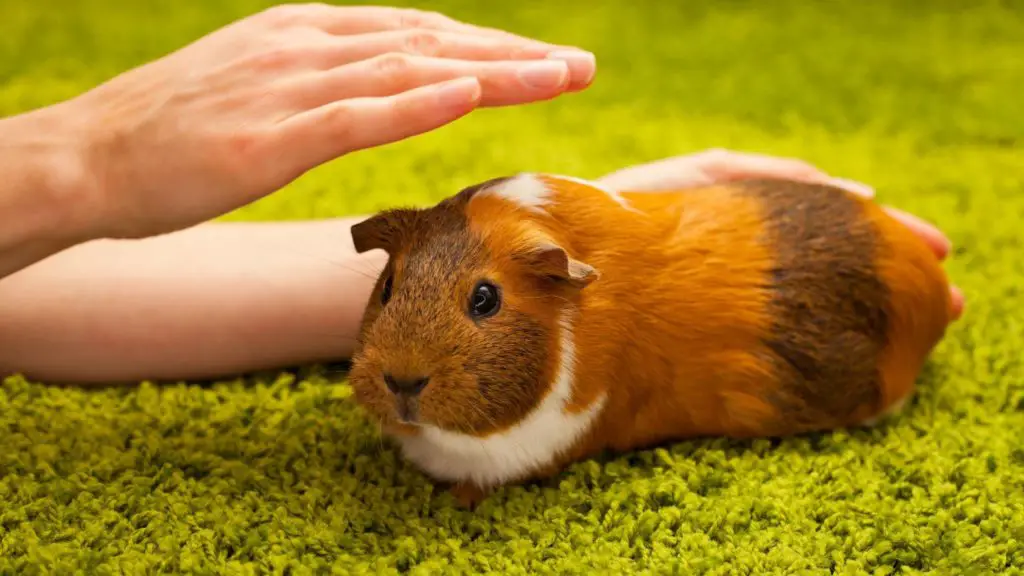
[(208, 301), (205, 130), (220, 299), (41, 208)]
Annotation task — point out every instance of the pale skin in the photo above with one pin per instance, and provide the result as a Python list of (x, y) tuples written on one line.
[(110, 271)]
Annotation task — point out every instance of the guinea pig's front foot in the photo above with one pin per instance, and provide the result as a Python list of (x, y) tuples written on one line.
[(468, 495)]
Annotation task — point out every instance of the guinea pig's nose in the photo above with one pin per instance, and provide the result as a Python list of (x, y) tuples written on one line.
[(408, 386)]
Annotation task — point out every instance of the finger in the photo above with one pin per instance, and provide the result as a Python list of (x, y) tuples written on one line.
[(350, 20), (502, 83), (957, 297), (669, 174), (935, 239), (727, 165), (425, 42), (734, 166), (320, 135), (718, 166), (455, 46)]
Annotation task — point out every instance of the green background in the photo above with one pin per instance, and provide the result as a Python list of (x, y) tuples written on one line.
[(280, 472)]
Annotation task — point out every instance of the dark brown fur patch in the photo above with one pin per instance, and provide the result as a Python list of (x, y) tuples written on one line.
[(483, 376), (829, 306)]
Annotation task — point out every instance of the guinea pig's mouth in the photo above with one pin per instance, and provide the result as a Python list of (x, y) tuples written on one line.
[(407, 409)]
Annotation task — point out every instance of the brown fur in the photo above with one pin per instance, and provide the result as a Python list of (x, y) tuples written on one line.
[(830, 318), (482, 378), (755, 309)]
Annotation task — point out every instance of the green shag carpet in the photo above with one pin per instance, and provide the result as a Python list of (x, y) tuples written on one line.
[(281, 474)]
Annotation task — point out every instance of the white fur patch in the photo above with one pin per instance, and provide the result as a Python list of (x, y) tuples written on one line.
[(525, 190), (535, 441), (529, 191)]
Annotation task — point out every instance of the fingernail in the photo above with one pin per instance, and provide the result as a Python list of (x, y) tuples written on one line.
[(944, 244), (544, 75), (582, 65), (855, 187), (459, 93)]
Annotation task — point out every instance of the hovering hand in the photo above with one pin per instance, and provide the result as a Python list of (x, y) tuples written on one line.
[(245, 110), (717, 165)]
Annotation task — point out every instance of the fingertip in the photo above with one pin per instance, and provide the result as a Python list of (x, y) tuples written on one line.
[(939, 244), (935, 239), (582, 67), (957, 298), (346, 126), (545, 76), (461, 94)]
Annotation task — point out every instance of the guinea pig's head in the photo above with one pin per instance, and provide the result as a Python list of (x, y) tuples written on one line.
[(461, 330)]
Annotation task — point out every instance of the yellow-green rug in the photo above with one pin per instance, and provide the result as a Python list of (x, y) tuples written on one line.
[(280, 474)]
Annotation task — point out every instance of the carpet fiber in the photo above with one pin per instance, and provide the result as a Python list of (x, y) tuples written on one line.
[(281, 474)]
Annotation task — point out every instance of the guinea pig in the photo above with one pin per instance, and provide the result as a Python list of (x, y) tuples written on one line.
[(534, 320)]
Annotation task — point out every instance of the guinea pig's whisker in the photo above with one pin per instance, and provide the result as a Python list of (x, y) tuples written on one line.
[(490, 457), (487, 453), (561, 298), (491, 421), (363, 273), (345, 337), (372, 275), (484, 415)]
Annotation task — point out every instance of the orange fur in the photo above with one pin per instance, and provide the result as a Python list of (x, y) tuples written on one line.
[(698, 367), (921, 306), (673, 306)]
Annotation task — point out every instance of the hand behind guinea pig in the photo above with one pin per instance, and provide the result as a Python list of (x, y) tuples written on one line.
[(534, 320), (718, 166)]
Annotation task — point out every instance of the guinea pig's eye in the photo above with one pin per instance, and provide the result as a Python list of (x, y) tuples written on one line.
[(385, 292), (485, 300)]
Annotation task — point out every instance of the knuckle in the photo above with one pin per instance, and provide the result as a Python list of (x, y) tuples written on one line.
[(411, 18), (341, 120), (404, 106), (241, 151), (393, 64), (418, 18), (282, 13), (422, 42), (405, 112)]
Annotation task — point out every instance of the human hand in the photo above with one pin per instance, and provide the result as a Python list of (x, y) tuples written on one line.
[(718, 165), (245, 110)]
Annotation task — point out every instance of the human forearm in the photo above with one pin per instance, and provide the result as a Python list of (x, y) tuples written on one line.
[(237, 114), (205, 302)]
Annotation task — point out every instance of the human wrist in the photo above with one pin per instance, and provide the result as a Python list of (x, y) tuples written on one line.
[(48, 197), (45, 165)]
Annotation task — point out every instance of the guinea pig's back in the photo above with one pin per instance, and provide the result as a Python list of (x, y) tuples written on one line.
[(857, 296), (846, 303)]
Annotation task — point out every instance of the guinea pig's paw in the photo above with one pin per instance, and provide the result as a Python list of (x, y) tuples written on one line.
[(468, 495)]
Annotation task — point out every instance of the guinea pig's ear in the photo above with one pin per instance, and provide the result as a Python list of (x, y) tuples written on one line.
[(553, 261), (374, 232)]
